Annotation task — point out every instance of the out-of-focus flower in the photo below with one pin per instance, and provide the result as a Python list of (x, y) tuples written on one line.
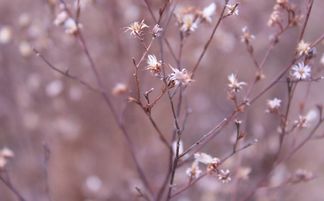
[(188, 23), (194, 171), (246, 36), (136, 28), (24, 20), (157, 30), (322, 59), (119, 89), (234, 85), (5, 34), (224, 176), (303, 48), (301, 71), (304, 121), (232, 9), (180, 76), (208, 12), (71, 27), (5, 155), (61, 18), (206, 158), (153, 65), (274, 18), (273, 105), (54, 88), (25, 49)]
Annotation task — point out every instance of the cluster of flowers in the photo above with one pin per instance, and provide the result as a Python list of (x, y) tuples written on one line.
[(212, 166)]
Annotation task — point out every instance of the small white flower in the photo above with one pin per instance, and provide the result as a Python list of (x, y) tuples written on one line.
[(153, 65), (224, 176), (301, 71), (208, 12), (188, 23), (234, 84), (303, 47), (247, 36), (206, 159), (136, 28), (194, 171), (180, 76), (274, 105)]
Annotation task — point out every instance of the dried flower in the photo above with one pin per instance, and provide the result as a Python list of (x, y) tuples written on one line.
[(208, 12), (303, 48), (304, 120), (153, 65), (234, 85), (206, 158), (247, 36), (180, 76), (194, 171), (188, 23), (224, 176), (119, 89), (273, 105), (157, 30), (301, 71), (136, 28), (232, 9)]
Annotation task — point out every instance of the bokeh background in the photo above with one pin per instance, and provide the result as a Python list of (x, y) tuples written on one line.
[(87, 156)]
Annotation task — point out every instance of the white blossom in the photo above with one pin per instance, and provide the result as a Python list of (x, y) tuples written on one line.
[(273, 105), (153, 65), (224, 176), (180, 76), (301, 71), (208, 12), (136, 28), (234, 84), (188, 23)]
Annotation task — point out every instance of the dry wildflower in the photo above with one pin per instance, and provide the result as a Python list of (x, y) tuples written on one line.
[(246, 36), (119, 89), (275, 18), (208, 12), (206, 158), (232, 9), (5, 34), (301, 71), (273, 105), (153, 65), (303, 121), (188, 23), (194, 171), (157, 30), (234, 85), (303, 48), (136, 28), (180, 76), (224, 176)]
